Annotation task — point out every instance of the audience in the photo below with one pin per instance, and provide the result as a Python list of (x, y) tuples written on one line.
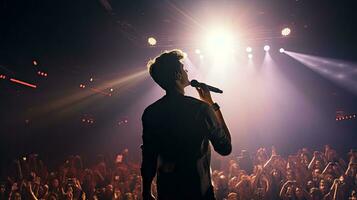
[(264, 175)]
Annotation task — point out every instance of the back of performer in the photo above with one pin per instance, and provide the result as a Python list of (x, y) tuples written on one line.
[(176, 134)]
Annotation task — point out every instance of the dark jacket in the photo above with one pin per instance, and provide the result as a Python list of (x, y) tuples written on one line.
[(176, 134)]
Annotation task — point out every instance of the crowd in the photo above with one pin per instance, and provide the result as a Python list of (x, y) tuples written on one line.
[(264, 175)]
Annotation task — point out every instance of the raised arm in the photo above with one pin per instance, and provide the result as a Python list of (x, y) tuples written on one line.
[(217, 129)]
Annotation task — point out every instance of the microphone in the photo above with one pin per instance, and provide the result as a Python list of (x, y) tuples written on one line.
[(195, 83)]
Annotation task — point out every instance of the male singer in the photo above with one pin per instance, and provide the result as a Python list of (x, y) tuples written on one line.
[(176, 134)]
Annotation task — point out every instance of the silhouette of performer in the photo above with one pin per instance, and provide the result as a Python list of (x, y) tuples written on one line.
[(176, 134)]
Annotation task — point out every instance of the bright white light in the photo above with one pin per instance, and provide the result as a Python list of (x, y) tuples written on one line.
[(220, 41), (250, 56), (286, 31), (201, 56), (281, 50), (249, 49), (152, 41), (266, 48), (197, 51)]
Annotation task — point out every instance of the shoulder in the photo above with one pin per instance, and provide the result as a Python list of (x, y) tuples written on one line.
[(195, 102), (152, 108), (201, 108)]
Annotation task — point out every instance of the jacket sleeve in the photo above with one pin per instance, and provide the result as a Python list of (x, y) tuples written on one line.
[(148, 149), (220, 140)]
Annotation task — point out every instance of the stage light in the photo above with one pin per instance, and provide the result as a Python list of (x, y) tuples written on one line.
[(281, 50), (219, 41), (286, 31), (91, 79), (250, 56), (266, 48), (152, 41), (197, 51), (111, 89), (23, 83), (249, 49), (34, 62)]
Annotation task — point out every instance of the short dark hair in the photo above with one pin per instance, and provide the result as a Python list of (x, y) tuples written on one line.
[(164, 67)]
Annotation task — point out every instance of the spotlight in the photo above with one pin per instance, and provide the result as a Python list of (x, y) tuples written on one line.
[(249, 49), (250, 56), (219, 41), (152, 41), (111, 89), (266, 48), (91, 79), (281, 50), (34, 62), (286, 31), (197, 51)]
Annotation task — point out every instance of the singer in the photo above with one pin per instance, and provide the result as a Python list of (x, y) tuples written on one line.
[(176, 134)]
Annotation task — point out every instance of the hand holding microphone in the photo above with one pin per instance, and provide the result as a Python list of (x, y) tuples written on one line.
[(204, 91)]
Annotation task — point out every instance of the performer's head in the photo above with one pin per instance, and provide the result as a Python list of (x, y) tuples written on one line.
[(168, 71)]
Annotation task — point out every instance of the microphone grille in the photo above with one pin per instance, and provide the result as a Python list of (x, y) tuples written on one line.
[(194, 83)]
